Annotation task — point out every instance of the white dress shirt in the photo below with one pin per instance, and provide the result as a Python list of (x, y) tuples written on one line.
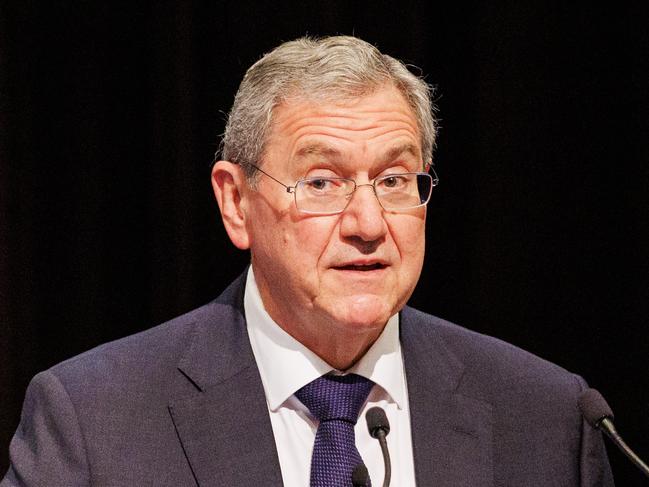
[(285, 365)]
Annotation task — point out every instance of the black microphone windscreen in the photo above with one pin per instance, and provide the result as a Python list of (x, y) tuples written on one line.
[(376, 421), (594, 407), (360, 476)]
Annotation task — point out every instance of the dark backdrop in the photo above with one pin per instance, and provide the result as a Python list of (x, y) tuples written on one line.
[(538, 234)]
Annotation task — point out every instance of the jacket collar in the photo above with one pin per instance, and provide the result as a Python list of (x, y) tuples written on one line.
[(451, 432), (224, 425)]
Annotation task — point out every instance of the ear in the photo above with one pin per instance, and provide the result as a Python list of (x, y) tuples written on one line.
[(228, 183)]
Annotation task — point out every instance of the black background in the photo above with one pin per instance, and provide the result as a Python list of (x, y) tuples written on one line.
[(110, 113)]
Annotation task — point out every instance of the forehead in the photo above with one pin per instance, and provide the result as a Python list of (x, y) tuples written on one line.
[(381, 121)]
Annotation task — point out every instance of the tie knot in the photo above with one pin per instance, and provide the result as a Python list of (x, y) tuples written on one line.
[(336, 396)]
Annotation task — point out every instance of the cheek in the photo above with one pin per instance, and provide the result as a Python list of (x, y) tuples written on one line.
[(298, 250), (409, 237), (309, 239)]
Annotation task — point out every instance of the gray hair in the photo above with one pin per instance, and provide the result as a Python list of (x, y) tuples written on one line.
[(330, 68)]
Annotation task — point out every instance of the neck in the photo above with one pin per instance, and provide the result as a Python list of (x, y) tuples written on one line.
[(340, 345), (341, 352)]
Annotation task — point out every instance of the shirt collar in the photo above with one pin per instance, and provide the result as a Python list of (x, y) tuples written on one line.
[(285, 365)]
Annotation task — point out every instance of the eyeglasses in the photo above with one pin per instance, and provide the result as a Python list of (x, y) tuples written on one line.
[(329, 195)]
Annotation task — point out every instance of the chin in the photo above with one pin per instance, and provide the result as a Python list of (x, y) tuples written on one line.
[(363, 313)]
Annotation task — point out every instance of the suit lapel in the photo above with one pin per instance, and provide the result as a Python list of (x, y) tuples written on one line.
[(223, 424), (225, 430), (451, 433)]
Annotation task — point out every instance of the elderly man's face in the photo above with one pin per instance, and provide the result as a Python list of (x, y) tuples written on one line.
[(336, 275)]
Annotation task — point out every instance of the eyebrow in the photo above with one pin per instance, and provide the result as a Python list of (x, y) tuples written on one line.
[(318, 149), (397, 151)]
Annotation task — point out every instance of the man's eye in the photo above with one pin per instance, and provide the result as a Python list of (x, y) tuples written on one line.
[(319, 184), (393, 182)]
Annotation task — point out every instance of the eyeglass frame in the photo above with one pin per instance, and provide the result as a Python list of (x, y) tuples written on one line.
[(293, 189)]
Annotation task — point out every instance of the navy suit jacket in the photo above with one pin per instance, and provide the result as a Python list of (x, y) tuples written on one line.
[(183, 404)]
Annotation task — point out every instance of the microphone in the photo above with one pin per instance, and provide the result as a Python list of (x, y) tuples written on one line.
[(598, 414), (360, 476), (379, 427)]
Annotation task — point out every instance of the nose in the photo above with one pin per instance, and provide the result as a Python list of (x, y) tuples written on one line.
[(363, 217)]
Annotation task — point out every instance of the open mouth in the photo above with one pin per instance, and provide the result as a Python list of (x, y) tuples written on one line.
[(361, 267)]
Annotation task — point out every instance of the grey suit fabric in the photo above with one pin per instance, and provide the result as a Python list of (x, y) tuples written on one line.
[(182, 404)]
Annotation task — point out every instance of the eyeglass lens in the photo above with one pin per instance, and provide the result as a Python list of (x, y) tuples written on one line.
[(394, 192)]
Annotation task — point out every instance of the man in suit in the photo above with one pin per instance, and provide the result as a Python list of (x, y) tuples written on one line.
[(325, 176)]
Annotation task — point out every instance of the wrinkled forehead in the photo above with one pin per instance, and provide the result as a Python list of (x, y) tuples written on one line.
[(406, 155), (344, 111)]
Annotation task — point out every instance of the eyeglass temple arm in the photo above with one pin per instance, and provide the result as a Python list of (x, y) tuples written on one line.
[(289, 189), (429, 167)]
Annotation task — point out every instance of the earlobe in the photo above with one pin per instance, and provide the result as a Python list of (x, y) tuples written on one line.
[(228, 185)]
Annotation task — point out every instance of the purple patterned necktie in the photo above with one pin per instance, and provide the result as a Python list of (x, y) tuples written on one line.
[(336, 401)]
